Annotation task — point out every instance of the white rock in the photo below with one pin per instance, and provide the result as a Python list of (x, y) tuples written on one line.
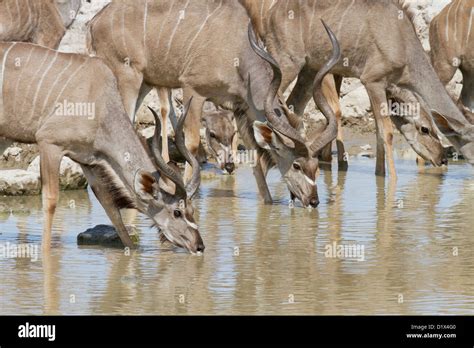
[(147, 132), (12, 151), (356, 103), (71, 175), (15, 182)]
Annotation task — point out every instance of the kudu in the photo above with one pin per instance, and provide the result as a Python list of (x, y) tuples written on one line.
[(220, 135), (185, 44), (69, 105), (380, 58), (452, 46), (42, 22)]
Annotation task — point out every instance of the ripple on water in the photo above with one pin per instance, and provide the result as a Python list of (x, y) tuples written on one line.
[(416, 236)]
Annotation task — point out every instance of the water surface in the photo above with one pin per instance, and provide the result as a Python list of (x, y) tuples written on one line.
[(417, 237)]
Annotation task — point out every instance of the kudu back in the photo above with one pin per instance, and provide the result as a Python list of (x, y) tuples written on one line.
[(42, 22), (69, 105)]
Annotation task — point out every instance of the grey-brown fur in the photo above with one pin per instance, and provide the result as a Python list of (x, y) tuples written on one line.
[(40, 90)]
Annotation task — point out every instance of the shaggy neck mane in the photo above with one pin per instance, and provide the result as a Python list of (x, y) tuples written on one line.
[(245, 127), (108, 179)]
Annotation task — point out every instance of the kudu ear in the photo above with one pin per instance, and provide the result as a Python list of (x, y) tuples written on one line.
[(447, 127), (263, 135), (145, 185), (270, 139)]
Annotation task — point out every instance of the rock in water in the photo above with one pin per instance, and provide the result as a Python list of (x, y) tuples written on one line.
[(105, 235)]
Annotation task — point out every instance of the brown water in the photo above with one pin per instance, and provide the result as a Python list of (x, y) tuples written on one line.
[(263, 259)]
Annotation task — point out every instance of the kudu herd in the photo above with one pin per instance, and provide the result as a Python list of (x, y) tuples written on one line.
[(379, 53), (145, 44), (177, 50)]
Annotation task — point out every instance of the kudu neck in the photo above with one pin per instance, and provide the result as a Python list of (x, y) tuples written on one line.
[(426, 83)]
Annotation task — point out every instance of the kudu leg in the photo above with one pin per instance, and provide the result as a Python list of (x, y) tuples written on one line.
[(107, 201), (163, 94), (331, 93), (302, 91), (302, 94), (192, 127), (378, 100), (50, 161), (130, 83), (262, 185)]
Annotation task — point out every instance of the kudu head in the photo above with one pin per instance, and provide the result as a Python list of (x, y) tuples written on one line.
[(173, 213), (416, 126), (293, 153), (460, 132), (220, 133)]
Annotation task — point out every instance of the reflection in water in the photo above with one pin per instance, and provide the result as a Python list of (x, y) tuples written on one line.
[(416, 234)]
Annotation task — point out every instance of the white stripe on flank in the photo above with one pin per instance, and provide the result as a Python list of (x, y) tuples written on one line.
[(10, 17), (201, 28), (359, 35), (176, 28), (19, 76), (456, 22), (341, 23), (145, 17), (163, 24), (51, 89), (37, 72), (312, 16), (40, 84), (67, 83), (469, 27), (29, 11), (2, 75), (18, 14), (447, 23)]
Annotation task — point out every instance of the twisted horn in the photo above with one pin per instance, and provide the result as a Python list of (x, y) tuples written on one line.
[(164, 168), (193, 185), (278, 123), (330, 132)]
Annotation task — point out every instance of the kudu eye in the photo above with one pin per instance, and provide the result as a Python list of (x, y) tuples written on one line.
[(177, 213), (212, 135), (277, 112), (296, 166), (425, 130)]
